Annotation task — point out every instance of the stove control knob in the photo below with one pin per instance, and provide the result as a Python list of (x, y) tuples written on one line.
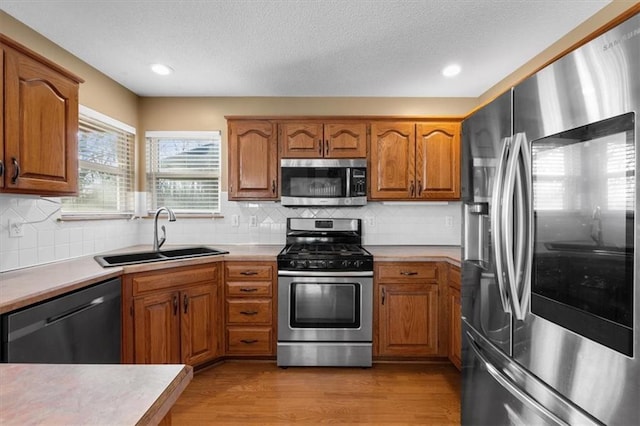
[(345, 264), (322, 264), (292, 263), (358, 263)]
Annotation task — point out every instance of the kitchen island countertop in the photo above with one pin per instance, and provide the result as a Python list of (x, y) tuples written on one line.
[(89, 394)]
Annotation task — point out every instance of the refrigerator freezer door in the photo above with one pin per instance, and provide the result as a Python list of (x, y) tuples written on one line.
[(497, 391)]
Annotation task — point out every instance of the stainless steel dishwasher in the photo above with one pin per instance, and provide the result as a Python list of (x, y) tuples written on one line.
[(82, 327)]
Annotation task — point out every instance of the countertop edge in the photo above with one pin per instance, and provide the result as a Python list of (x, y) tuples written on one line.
[(167, 398)]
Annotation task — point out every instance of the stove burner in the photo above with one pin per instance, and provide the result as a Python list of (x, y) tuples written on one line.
[(313, 248)]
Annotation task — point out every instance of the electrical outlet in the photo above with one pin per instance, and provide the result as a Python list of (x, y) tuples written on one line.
[(16, 228), (235, 220), (253, 221), (370, 221), (448, 221)]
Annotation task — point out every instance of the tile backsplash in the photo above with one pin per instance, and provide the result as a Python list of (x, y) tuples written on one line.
[(46, 239)]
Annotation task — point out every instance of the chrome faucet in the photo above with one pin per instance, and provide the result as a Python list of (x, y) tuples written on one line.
[(172, 218), (596, 226)]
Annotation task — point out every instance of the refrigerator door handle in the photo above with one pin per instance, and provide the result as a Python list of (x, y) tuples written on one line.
[(526, 218), (496, 225), (510, 386), (513, 189)]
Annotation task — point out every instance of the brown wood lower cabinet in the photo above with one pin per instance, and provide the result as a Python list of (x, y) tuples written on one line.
[(175, 315), (455, 318), (407, 300), (249, 308)]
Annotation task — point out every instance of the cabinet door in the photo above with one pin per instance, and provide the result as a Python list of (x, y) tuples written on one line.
[(41, 127), (408, 319), (253, 160), (438, 161), (201, 331), (392, 171), (2, 162), (455, 327), (301, 140), (156, 329), (345, 140)]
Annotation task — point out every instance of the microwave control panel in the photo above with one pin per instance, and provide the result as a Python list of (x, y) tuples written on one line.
[(358, 182)]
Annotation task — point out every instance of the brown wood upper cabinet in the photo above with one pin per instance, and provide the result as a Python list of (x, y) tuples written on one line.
[(39, 127), (253, 160), (411, 161), (310, 139)]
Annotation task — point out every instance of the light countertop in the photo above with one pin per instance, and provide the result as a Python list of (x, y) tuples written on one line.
[(67, 394), (23, 287)]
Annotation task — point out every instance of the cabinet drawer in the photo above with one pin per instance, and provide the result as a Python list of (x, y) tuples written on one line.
[(249, 340), (249, 271), (160, 280), (245, 311), (408, 271), (249, 289), (454, 276)]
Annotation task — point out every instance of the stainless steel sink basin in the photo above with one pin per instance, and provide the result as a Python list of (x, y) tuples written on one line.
[(153, 256)]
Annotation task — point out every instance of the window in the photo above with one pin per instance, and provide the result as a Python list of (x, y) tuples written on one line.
[(183, 171), (105, 167)]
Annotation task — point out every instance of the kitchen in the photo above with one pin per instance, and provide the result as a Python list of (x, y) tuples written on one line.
[(437, 223)]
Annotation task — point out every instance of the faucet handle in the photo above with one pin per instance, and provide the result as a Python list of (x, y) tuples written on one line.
[(164, 236)]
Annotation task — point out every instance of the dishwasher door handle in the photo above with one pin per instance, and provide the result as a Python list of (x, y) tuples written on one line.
[(76, 310)]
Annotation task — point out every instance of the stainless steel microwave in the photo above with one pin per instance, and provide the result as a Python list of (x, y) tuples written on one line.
[(323, 182)]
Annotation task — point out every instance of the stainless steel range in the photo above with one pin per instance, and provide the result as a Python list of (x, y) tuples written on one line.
[(325, 295)]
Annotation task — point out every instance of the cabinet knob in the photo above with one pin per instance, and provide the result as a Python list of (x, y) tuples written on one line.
[(326, 148), (319, 146), (384, 295), (273, 186), (175, 305), (419, 188), (412, 189), (185, 302)]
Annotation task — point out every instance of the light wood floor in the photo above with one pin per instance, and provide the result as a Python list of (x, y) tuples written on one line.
[(253, 393)]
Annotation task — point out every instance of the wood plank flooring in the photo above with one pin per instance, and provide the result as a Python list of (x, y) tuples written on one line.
[(252, 393)]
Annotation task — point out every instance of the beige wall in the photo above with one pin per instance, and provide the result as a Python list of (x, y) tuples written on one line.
[(98, 92)]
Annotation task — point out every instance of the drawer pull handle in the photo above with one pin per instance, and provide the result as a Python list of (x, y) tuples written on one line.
[(408, 273), (249, 341), (248, 290), (249, 312), (248, 273)]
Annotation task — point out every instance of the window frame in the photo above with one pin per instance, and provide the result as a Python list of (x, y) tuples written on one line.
[(208, 135), (107, 121)]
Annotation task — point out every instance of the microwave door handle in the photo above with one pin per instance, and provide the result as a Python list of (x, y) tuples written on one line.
[(495, 223), (348, 189)]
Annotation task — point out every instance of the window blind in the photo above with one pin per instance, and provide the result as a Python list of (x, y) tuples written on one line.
[(105, 167), (183, 171)]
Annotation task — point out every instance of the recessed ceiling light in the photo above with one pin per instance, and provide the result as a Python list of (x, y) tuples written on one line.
[(161, 69), (451, 70)]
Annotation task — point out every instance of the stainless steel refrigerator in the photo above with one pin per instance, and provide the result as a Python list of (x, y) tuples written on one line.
[(550, 269)]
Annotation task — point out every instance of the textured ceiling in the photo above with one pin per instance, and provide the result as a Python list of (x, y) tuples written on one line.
[(304, 47)]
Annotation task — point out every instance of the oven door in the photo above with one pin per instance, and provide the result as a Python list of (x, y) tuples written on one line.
[(325, 308)]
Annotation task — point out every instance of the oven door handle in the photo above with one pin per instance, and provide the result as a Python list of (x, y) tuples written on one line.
[(325, 274)]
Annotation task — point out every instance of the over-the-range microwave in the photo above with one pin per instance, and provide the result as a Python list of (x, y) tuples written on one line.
[(323, 182)]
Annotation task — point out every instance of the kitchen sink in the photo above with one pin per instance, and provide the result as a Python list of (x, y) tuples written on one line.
[(155, 256)]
